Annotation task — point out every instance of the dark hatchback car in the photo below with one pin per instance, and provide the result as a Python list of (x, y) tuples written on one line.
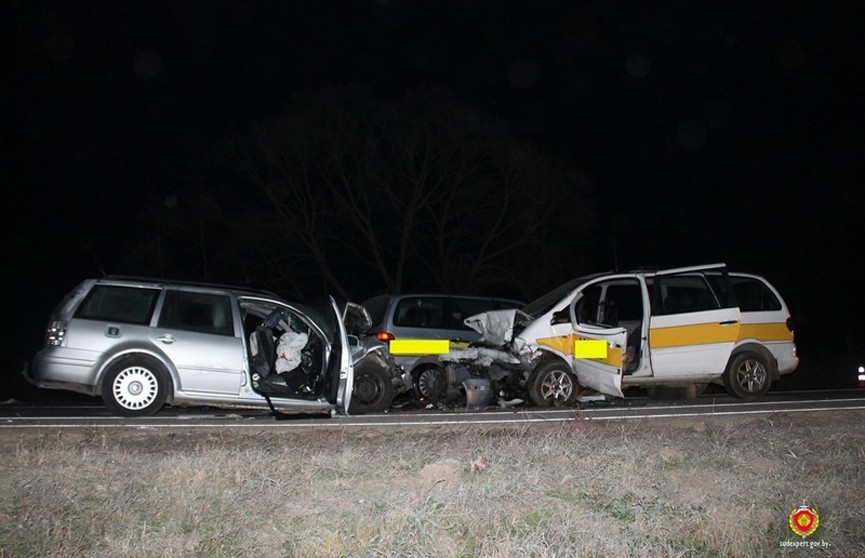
[(426, 316)]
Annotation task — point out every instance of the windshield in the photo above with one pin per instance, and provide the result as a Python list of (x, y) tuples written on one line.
[(543, 304)]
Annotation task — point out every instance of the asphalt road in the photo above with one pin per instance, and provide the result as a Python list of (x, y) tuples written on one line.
[(93, 415)]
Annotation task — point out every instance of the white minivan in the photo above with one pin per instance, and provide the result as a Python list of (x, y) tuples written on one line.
[(610, 331)]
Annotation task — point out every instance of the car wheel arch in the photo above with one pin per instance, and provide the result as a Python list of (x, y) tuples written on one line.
[(743, 377), (759, 349), (138, 353), (543, 356)]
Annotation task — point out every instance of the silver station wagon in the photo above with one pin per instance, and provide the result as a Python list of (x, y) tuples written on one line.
[(141, 344)]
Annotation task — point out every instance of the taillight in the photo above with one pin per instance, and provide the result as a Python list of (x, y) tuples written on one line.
[(384, 336), (56, 332), (790, 324)]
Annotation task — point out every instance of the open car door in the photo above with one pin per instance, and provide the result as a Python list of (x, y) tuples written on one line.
[(340, 366), (594, 351), (597, 357)]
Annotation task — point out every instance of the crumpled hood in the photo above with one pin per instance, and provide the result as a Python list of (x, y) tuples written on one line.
[(495, 326)]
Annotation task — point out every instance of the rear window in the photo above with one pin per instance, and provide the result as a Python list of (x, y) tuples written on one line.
[(508, 304), (422, 311), (754, 296), (462, 308), (130, 305)]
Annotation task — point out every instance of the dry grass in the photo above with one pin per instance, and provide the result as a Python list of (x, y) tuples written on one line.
[(611, 489)]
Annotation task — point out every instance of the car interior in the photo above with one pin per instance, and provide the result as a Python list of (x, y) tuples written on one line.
[(306, 380)]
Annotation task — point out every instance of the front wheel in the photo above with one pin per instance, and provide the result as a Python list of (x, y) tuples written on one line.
[(135, 387), (430, 384), (553, 383), (373, 390), (747, 376)]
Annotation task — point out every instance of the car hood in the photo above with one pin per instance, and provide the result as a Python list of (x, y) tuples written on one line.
[(496, 326)]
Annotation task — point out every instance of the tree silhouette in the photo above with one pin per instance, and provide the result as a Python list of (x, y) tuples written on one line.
[(346, 194)]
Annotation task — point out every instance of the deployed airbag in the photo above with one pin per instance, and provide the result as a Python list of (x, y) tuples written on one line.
[(288, 351)]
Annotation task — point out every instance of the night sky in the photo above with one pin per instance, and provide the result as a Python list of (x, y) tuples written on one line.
[(709, 131)]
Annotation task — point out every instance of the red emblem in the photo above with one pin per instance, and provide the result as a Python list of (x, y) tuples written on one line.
[(804, 521)]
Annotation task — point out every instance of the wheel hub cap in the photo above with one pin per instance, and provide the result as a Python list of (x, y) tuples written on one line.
[(557, 386), (135, 388)]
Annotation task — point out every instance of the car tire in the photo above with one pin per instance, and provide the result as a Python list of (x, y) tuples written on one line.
[(553, 384), (373, 390), (430, 384), (748, 375), (135, 386)]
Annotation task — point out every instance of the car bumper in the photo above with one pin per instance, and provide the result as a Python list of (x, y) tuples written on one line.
[(61, 368)]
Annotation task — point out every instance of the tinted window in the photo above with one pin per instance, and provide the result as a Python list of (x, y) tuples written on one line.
[(462, 308), (754, 296), (623, 303), (200, 312), (129, 305), (588, 305), (679, 294), (421, 311)]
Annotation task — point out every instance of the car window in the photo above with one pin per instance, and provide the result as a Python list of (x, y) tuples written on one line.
[(112, 303), (545, 303), (420, 312), (588, 305), (682, 293), (200, 312), (462, 308), (623, 303), (754, 296)]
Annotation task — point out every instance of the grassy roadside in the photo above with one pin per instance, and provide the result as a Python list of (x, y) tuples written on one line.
[(716, 487)]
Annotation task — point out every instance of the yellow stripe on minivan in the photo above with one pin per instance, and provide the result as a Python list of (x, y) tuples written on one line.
[(567, 344), (698, 334), (766, 332)]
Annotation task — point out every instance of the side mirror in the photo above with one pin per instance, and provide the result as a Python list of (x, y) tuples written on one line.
[(353, 341), (357, 319), (562, 316)]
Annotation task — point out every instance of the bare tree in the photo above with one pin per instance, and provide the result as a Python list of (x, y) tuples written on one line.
[(420, 193)]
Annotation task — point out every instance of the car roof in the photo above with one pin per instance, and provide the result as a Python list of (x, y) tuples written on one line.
[(443, 295), (153, 282)]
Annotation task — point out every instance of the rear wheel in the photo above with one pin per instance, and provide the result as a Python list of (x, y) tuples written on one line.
[(373, 390), (553, 383), (135, 386), (747, 376)]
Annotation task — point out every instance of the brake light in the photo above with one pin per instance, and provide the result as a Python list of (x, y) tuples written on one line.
[(56, 332), (790, 324), (384, 336)]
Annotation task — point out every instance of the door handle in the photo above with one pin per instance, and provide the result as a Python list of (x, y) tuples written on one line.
[(168, 339), (728, 322)]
